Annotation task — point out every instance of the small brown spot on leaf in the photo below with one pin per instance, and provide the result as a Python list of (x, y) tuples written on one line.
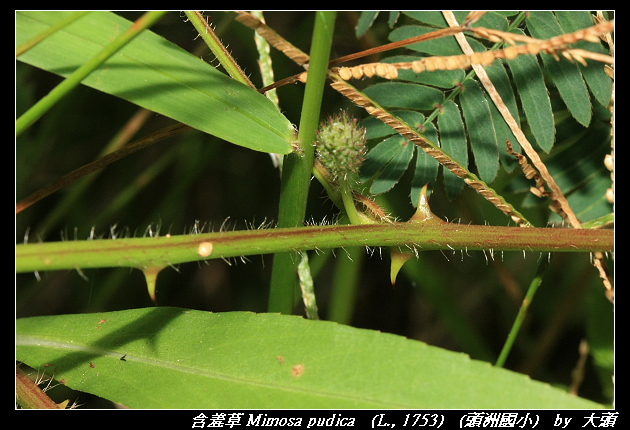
[(297, 370)]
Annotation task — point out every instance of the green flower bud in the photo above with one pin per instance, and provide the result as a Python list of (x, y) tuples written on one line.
[(341, 147)]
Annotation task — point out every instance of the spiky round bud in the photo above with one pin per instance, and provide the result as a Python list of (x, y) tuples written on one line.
[(341, 146)]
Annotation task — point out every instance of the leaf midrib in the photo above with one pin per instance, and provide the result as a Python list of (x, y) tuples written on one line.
[(23, 340)]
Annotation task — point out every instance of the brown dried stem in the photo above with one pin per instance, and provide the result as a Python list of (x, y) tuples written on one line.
[(549, 46), (272, 37), (531, 173), (454, 62)]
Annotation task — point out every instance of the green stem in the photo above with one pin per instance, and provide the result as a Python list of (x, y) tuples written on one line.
[(348, 203), (533, 286), (298, 166), (171, 250), (42, 106)]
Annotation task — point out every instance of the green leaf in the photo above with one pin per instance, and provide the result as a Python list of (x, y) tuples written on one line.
[(426, 166), (443, 46), (577, 165), (534, 98), (432, 17), (378, 129), (178, 358), (392, 18), (493, 20), (389, 159), (396, 167), (405, 96), (499, 77), (566, 75), (596, 78), (379, 156), (366, 19), (580, 173), (453, 138), (158, 75), (480, 128)]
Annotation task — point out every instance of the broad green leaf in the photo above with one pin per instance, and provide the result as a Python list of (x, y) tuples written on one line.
[(596, 78), (405, 96), (481, 134), (158, 75), (178, 358), (453, 139), (566, 75), (534, 98)]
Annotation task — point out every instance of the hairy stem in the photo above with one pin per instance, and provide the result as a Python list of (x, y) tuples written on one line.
[(170, 250), (214, 43), (30, 396)]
